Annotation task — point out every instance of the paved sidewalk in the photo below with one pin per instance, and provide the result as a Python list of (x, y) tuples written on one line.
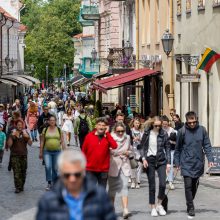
[(23, 206)]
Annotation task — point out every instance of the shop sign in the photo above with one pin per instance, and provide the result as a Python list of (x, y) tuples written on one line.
[(187, 78)]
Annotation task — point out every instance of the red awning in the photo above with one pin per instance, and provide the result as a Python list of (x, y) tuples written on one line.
[(117, 81)]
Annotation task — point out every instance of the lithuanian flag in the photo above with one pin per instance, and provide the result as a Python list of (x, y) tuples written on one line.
[(208, 58)]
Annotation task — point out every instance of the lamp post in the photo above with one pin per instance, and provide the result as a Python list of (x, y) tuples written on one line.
[(12, 61), (7, 61), (94, 54), (167, 42), (128, 49), (47, 76), (64, 66)]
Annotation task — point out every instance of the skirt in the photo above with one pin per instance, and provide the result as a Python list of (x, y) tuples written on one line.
[(68, 126), (118, 185)]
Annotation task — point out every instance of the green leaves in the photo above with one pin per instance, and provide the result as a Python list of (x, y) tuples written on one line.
[(51, 25)]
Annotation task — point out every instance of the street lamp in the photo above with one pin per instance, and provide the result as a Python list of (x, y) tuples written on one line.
[(7, 60), (12, 61), (128, 49), (94, 54), (47, 76), (167, 42), (64, 66)]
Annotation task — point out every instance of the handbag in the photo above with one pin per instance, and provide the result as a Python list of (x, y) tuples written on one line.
[(133, 162)]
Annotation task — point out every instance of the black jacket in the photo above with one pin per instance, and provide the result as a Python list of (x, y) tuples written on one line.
[(96, 206), (42, 122), (191, 145), (163, 147)]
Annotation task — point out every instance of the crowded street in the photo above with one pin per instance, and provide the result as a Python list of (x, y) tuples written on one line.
[(109, 109), (23, 206)]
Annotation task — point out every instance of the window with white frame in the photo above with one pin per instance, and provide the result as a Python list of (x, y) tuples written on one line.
[(201, 4), (179, 7), (216, 3), (188, 6)]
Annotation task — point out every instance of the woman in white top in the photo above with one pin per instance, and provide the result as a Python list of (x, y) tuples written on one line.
[(68, 125), (137, 133), (155, 154)]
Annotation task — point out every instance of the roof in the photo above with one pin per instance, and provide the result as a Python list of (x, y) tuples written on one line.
[(7, 15), (23, 28), (117, 81), (81, 35)]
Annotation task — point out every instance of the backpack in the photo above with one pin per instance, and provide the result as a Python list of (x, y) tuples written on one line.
[(83, 126), (183, 132)]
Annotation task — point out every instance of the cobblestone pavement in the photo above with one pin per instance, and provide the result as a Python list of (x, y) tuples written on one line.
[(23, 206)]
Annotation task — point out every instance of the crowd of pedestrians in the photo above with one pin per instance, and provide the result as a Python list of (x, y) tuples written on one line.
[(113, 153)]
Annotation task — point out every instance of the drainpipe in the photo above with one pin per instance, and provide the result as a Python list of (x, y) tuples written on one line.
[(1, 36), (8, 32), (171, 95), (137, 33)]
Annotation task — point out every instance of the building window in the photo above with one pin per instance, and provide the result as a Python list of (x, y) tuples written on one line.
[(148, 28), (157, 22), (143, 41), (188, 6), (201, 4), (216, 3), (179, 8)]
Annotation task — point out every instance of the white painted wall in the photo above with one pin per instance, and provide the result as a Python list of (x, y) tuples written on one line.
[(198, 30)]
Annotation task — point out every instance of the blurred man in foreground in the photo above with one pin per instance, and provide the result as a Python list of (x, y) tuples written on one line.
[(74, 196)]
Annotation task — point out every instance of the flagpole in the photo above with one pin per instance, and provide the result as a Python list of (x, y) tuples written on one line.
[(207, 75)]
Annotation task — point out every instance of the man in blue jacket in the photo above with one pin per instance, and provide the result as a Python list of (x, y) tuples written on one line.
[(74, 196), (191, 145)]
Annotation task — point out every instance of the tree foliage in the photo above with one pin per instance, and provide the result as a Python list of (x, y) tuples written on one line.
[(51, 25)]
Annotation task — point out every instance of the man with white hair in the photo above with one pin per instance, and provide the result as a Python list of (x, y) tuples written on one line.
[(74, 196)]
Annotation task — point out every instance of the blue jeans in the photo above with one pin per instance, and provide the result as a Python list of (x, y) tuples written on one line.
[(170, 175), (50, 158), (34, 134)]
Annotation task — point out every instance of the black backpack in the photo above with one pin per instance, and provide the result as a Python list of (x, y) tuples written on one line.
[(83, 126)]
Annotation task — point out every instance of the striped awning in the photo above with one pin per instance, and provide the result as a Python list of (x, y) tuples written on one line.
[(17, 79), (8, 82)]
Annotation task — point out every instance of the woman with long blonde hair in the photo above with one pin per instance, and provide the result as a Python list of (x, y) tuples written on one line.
[(156, 156)]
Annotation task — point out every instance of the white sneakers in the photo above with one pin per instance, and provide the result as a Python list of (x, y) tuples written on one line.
[(133, 185), (154, 213), (159, 210)]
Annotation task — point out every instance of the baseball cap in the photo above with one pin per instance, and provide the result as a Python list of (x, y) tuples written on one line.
[(1, 125), (1, 105)]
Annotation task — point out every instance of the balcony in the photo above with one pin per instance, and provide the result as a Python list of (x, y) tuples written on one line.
[(88, 67), (85, 23), (120, 61), (90, 12)]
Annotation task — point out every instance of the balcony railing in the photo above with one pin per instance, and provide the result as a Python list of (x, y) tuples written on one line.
[(88, 67), (90, 12), (118, 60), (83, 22)]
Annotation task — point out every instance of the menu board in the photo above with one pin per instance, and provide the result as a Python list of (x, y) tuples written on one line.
[(216, 156)]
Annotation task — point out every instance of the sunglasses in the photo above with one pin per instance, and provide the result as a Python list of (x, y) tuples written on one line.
[(192, 123), (157, 126), (120, 131), (76, 175)]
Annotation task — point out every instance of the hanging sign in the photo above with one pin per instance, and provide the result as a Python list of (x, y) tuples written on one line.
[(187, 78)]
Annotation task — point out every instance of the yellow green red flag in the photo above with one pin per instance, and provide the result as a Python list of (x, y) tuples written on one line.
[(209, 57)]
